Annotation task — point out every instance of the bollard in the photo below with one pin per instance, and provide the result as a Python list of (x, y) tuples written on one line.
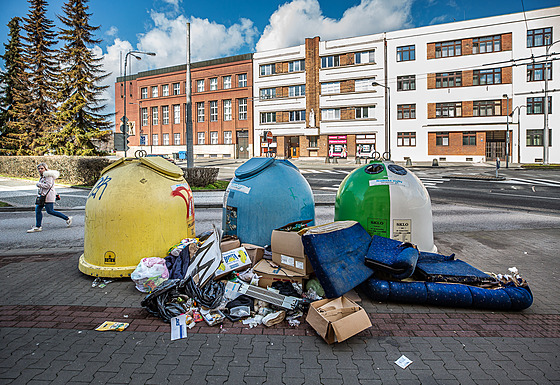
[(435, 163), (497, 166), (408, 162)]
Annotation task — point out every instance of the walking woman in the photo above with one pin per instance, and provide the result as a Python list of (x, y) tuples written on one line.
[(46, 197)]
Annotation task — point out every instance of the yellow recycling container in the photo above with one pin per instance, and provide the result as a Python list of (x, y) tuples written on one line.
[(138, 208)]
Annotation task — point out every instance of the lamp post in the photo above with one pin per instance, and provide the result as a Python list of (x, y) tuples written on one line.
[(518, 108), (133, 53), (545, 101), (388, 126), (507, 129)]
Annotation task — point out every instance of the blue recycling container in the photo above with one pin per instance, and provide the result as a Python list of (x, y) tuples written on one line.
[(265, 194), (182, 155)]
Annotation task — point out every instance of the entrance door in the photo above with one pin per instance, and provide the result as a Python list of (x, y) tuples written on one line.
[(242, 146), (294, 147), (495, 145)]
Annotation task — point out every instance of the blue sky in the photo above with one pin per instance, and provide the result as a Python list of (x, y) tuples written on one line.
[(224, 28)]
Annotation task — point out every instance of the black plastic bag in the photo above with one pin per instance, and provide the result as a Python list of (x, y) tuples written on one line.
[(163, 301), (209, 296)]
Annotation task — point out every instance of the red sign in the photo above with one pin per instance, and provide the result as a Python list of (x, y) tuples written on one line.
[(269, 137)]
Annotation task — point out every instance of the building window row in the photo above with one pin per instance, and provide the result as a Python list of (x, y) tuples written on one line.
[(487, 108), (536, 72), (487, 44), (406, 83), (201, 137), (227, 110), (364, 57), (406, 139), (448, 48), (406, 111), (539, 37), (449, 79), (406, 53), (486, 77), (272, 93), (226, 83)]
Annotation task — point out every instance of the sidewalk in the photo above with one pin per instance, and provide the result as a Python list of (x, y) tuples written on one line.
[(48, 312)]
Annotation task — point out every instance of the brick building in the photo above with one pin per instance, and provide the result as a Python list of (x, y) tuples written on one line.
[(222, 113)]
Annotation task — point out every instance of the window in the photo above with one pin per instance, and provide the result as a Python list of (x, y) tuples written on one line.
[(268, 117), (227, 109), (242, 80), (406, 111), (227, 137), (406, 53), (535, 137), (296, 66), (469, 138), (165, 114), (177, 139), (484, 77), (366, 112), (406, 139), (539, 37), (363, 85), (154, 91), (330, 88), (535, 72), (330, 61), (144, 93), (268, 93), (144, 116), (214, 111), (448, 110), (213, 84), (442, 139), (200, 112), (143, 140), (155, 141), (313, 141), (296, 90), (448, 48), (268, 69), (364, 57), (487, 44), (214, 137), (406, 83), (535, 106), (155, 116), (487, 107), (330, 114), (448, 79), (201, 139), (166, 139), (165, 90), (176, 88), (200, 85), (176, 114), (297, 116), (242, 108), (226, 82)]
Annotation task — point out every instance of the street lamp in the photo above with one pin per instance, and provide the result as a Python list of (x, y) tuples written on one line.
[(518, 108), (545, 101), (387, 154), (125, 123), (507, 129)]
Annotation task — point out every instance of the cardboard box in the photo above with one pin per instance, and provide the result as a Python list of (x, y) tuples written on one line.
[(233, 260), (337, 319), (229, 244), (255, 252), (270, 273), (287, 251)]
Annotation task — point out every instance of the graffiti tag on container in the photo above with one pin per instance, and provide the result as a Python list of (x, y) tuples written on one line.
[(97, 189)]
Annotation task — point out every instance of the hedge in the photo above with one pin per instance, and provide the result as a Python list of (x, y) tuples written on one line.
[(200, 176), (76, 170)]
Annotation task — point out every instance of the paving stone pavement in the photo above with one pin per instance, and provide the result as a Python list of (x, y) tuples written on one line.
[(48, 311)]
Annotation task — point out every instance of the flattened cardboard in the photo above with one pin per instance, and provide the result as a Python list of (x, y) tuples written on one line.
[(287, 251), (256, 253), (269, 273), (233, 260), (337, 319)]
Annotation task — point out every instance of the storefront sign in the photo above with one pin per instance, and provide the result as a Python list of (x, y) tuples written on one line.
[(337, 146)]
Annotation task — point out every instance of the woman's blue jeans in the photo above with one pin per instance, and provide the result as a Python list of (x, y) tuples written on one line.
[(50, 210)]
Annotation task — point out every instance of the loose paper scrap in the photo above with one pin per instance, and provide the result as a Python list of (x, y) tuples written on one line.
[(179, 327), (112, 326), (403, 361)]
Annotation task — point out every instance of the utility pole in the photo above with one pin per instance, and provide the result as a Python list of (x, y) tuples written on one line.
[(189, 133)]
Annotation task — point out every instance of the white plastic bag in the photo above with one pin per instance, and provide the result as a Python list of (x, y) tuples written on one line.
[(149, 273)]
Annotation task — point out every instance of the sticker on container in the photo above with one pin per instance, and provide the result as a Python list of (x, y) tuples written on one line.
[(299, 265), (239, 187), (402, 230), (286, 260), (387, 182), (378, 226)]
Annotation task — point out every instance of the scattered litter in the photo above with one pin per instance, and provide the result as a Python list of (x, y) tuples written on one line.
[(403, 361), (125, 316), (112, 326), (101, 282), (254, 321), (179, 327), (212, 317), (274, 318)]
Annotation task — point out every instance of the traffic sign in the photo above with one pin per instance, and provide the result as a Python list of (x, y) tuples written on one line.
[(269, 137)]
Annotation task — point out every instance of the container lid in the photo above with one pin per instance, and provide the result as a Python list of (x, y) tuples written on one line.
[(162, 165), (252, 167)]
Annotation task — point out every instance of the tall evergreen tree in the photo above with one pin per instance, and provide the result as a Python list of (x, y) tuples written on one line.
[(80, 118), (36, 115), (13, 89)]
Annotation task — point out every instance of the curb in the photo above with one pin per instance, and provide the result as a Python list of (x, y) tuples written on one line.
[(475, 177)]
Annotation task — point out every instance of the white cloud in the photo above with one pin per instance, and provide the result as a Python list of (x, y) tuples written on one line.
[(294, 21), (439, 19), (112, 31)]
